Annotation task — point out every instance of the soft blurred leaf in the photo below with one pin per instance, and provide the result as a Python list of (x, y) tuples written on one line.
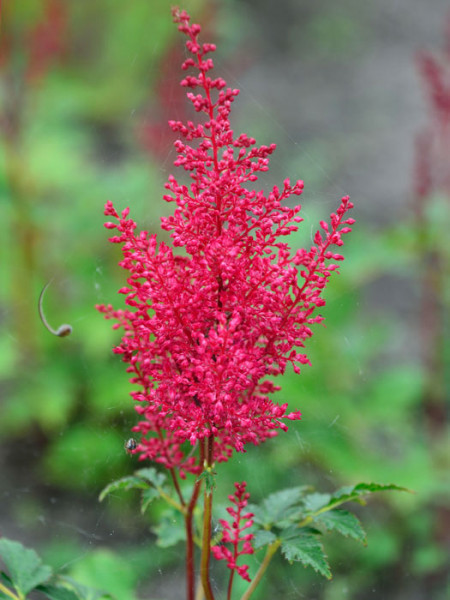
[(130, 482), (170, 529), (55, 592), (263, 538), (147, 498), (104, 570), (24, 566), (155, 477), (84, 592)]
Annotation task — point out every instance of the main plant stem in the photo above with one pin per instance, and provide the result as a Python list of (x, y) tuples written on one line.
[(188, 521), (207, 515)]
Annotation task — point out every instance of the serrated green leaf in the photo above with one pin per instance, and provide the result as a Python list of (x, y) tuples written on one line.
[(293, 532), (344, 522), (155, 477), (24, 565), (309, 551), (125, 483), (357, 492), (316, 501), (147, 498), (263, 537), (279, 507), (170, 529)]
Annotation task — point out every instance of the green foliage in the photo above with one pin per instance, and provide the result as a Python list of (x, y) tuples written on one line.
[(296, 519), (344, 523), (105, 570), (24, 566), (82, 452), (209, 477), (307, 549), (263, 537), (170, 529), (149, 481), (61, 593), (26, 572), (279, 506)]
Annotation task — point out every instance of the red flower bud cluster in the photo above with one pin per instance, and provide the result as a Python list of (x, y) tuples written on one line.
[(212, 319), (232, 533), (432, 171)]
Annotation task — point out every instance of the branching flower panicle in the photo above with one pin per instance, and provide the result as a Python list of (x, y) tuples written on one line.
[(232, 533), (213, 318)]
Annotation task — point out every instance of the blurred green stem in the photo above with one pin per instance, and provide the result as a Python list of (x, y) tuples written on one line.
[(271, 550), (8, 592)]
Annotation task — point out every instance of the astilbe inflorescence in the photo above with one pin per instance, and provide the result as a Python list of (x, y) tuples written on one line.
[(208, 326), (232, 533), (433, 142)]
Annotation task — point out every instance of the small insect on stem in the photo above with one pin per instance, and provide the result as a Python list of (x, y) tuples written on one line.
[(63, 330), (130, 445)]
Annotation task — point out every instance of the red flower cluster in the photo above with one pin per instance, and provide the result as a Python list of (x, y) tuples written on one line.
[(43, 43), (232, 533), (209, 325), (433, 142)]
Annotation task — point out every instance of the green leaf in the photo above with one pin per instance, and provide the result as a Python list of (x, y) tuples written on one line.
[(84, 592), (210, 481), (24, 565), (152, 475), (170, 529), (357, 492), (104, 574), (125, 483), (263, 538), (307, 549), (55, 592), (147, 498), (344, 522), (279, 507), (316, 501)]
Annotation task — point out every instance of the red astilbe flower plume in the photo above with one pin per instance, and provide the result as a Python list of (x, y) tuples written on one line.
[(432, 152), (209, 325), (232, 534)]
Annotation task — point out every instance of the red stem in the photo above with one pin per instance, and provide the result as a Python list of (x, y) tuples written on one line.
[(230, 584), (206, 542), (190, 564)]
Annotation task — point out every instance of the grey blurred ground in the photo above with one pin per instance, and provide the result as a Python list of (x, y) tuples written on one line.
[(343, 72)]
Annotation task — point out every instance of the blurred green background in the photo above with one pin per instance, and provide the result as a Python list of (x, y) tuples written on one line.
[(86, 89)]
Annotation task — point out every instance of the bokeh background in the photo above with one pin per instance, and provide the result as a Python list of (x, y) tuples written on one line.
[(355, 106)]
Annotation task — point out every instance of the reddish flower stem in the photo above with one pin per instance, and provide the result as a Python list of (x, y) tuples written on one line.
[(190, 564), (230, 584), (206, 543), (176, 485)]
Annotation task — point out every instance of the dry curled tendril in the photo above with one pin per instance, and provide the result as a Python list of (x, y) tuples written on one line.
[(63, 330)]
